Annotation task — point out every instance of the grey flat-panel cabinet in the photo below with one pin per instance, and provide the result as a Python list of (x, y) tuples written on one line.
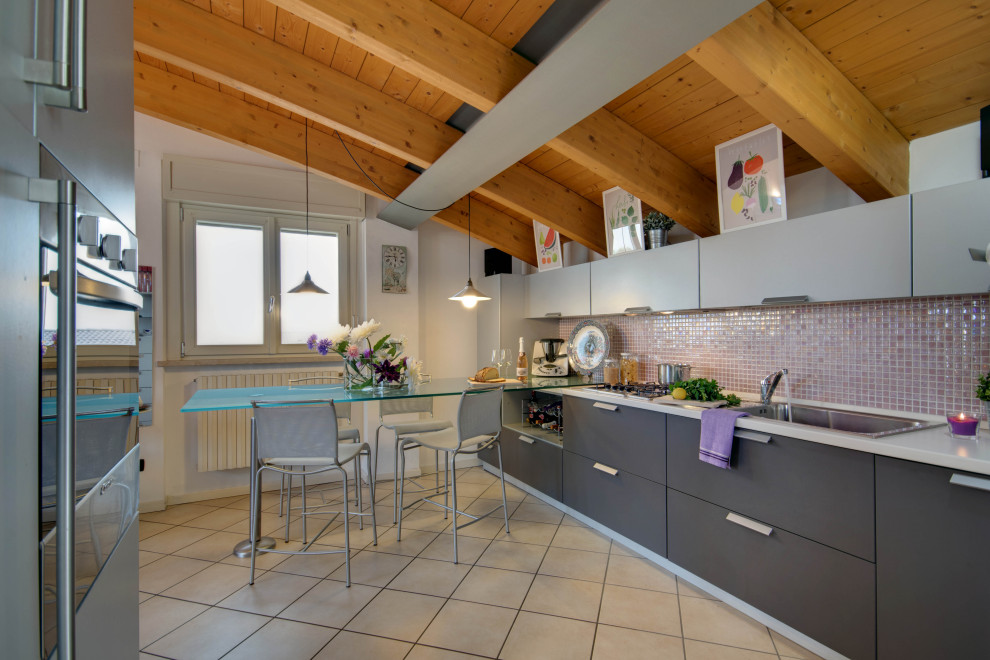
[(820, 492), (561, 292), (946, 222), (532, 461), (826, 594), (933, 562), (623, 437), (662, 279)]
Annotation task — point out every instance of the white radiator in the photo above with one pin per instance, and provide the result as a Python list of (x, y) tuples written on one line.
[(225, 435)]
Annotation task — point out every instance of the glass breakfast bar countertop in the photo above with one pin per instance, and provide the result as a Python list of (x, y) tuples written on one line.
[(240, 397)]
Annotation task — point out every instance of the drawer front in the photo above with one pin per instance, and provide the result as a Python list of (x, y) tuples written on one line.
[(531, 461), (824, 593), (820, 492), (628, 504), (623, 437)]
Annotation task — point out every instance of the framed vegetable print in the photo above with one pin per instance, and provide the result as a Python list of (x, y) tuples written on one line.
[(623, 221), (750, 177), (395, 262), (548, 254)]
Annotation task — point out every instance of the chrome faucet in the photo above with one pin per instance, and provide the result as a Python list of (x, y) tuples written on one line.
[(769, 384)]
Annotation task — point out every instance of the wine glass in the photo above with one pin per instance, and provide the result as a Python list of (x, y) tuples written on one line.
[(495, 361), (504, 362)]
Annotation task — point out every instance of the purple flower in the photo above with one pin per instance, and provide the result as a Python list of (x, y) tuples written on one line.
[(367, 354), (323, 347), (386, 372), (311, 342)]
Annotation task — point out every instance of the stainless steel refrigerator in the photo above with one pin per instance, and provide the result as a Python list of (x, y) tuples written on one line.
[(67, 227)]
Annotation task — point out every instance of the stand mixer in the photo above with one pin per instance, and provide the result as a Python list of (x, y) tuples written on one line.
[(549, 358)]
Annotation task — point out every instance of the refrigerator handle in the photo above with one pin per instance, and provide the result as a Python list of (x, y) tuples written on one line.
[(64, 75)]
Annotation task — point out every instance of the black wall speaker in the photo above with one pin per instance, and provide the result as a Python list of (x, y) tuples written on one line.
[(985, 141), (497, 262)]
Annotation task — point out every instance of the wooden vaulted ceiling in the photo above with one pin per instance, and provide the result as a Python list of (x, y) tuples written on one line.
[(849, 82)]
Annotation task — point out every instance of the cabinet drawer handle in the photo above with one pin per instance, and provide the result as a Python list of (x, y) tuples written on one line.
[(605, 406), (749, 524), (606, 469), (553, 314), (752, 435), (525, 438), (970, 482)]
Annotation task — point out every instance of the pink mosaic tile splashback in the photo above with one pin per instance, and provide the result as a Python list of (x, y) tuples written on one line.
[(920, 355)]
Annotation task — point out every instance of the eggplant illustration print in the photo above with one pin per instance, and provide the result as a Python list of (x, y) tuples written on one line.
[(736, 177)]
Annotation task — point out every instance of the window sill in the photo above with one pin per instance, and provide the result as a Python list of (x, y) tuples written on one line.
[(309, 359)]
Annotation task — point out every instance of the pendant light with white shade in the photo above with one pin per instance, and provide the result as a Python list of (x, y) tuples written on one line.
[(307, 285), (469, 296)]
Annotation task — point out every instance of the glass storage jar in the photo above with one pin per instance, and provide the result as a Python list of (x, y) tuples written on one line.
[(628, 368), (610, 371)]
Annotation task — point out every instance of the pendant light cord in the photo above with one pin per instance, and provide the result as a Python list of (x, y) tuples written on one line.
[(469, 236), (306, 152)]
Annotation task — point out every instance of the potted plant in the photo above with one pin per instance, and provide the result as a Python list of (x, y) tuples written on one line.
[(656, 225), (983, 391)]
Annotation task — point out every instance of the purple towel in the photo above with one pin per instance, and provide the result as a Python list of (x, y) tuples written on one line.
[(717, 427)]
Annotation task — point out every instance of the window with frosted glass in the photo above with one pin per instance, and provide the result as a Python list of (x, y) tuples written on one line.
[(304, 314), (230, 291)]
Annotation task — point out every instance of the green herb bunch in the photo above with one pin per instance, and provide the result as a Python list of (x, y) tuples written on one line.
[(657, 220), (701, 389), (983, 387)]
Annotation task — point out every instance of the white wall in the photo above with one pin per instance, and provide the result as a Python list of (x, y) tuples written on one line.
[(946, 158)]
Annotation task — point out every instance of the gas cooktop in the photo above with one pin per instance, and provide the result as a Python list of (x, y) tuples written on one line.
[(638, 390)]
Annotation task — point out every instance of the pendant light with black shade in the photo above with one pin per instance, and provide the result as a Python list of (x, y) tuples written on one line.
[(469, 296), (307, 285)]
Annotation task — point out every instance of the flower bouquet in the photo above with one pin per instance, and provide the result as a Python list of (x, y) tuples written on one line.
[(366, 364)]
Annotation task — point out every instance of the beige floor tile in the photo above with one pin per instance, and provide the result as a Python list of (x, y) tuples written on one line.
[(483, 505), (639, 573), (214, 547), (512, 493), (313, 565), (397, 615), (224, 501), (145, 557), (173, 539), (146, 528), (431, 577), (330, 603), (159, 575), (271, 524), (513, 556), (581, 538), (548, 638), (285, 640), (788, 649), (468, 489), (612, 643), (420, 652), (353, 645), (576, 564), (413, 542), (494, 586), (208, 636), (543, 513), (359, 538), (264, 561), (523, 531), (714, 621), (685, 588), (622, 551), (143, 596), (159, 616), (217, 519), (373, 568), (268, 499), (575, 599), (469, 549), (270, 594), (652, 611), (178, 514), (704, 651), (211, 585), (487, 528), (571, 520), (470, 628), (476, 476), (427, 520)]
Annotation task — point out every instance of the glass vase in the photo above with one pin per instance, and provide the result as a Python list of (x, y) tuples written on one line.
[(358, 375)]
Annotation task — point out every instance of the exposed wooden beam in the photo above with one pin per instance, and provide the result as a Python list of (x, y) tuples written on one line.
[(779, 72), (422, 37), (189, 104), (179, 33)]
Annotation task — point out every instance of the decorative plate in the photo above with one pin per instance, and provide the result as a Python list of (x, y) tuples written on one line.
[(587, 347)]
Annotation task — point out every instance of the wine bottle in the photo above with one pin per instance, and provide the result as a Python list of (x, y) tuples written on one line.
[(522, 365)]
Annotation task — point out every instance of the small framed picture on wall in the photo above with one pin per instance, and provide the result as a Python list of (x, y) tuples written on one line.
[(750, 178), (395, 262)]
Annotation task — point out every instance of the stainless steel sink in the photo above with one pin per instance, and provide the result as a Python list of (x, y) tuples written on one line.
[(864, 424)]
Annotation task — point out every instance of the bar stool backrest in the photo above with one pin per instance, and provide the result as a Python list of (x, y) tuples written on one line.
[(479, 413), (343, 407), (101, 441), (419, 404), (304, 430)]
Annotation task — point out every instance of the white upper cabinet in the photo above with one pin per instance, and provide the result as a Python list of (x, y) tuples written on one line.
[(661, 279), (947, 223), (561, 292), (860, 252)]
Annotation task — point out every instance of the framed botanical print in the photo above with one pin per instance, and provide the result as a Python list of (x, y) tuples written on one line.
[(750, 178), (395, 262), (623, 221)]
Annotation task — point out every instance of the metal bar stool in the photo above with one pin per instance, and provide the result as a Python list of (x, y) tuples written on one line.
[(479, 425), (304, 434)]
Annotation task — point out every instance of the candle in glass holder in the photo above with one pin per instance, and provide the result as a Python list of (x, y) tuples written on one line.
[(962, 424)]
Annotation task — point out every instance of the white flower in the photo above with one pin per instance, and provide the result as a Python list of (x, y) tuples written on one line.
[(339, 334), (414, 367), (364, 330)]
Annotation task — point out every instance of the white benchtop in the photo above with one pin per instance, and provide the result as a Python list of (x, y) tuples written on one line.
[(933, 445)]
